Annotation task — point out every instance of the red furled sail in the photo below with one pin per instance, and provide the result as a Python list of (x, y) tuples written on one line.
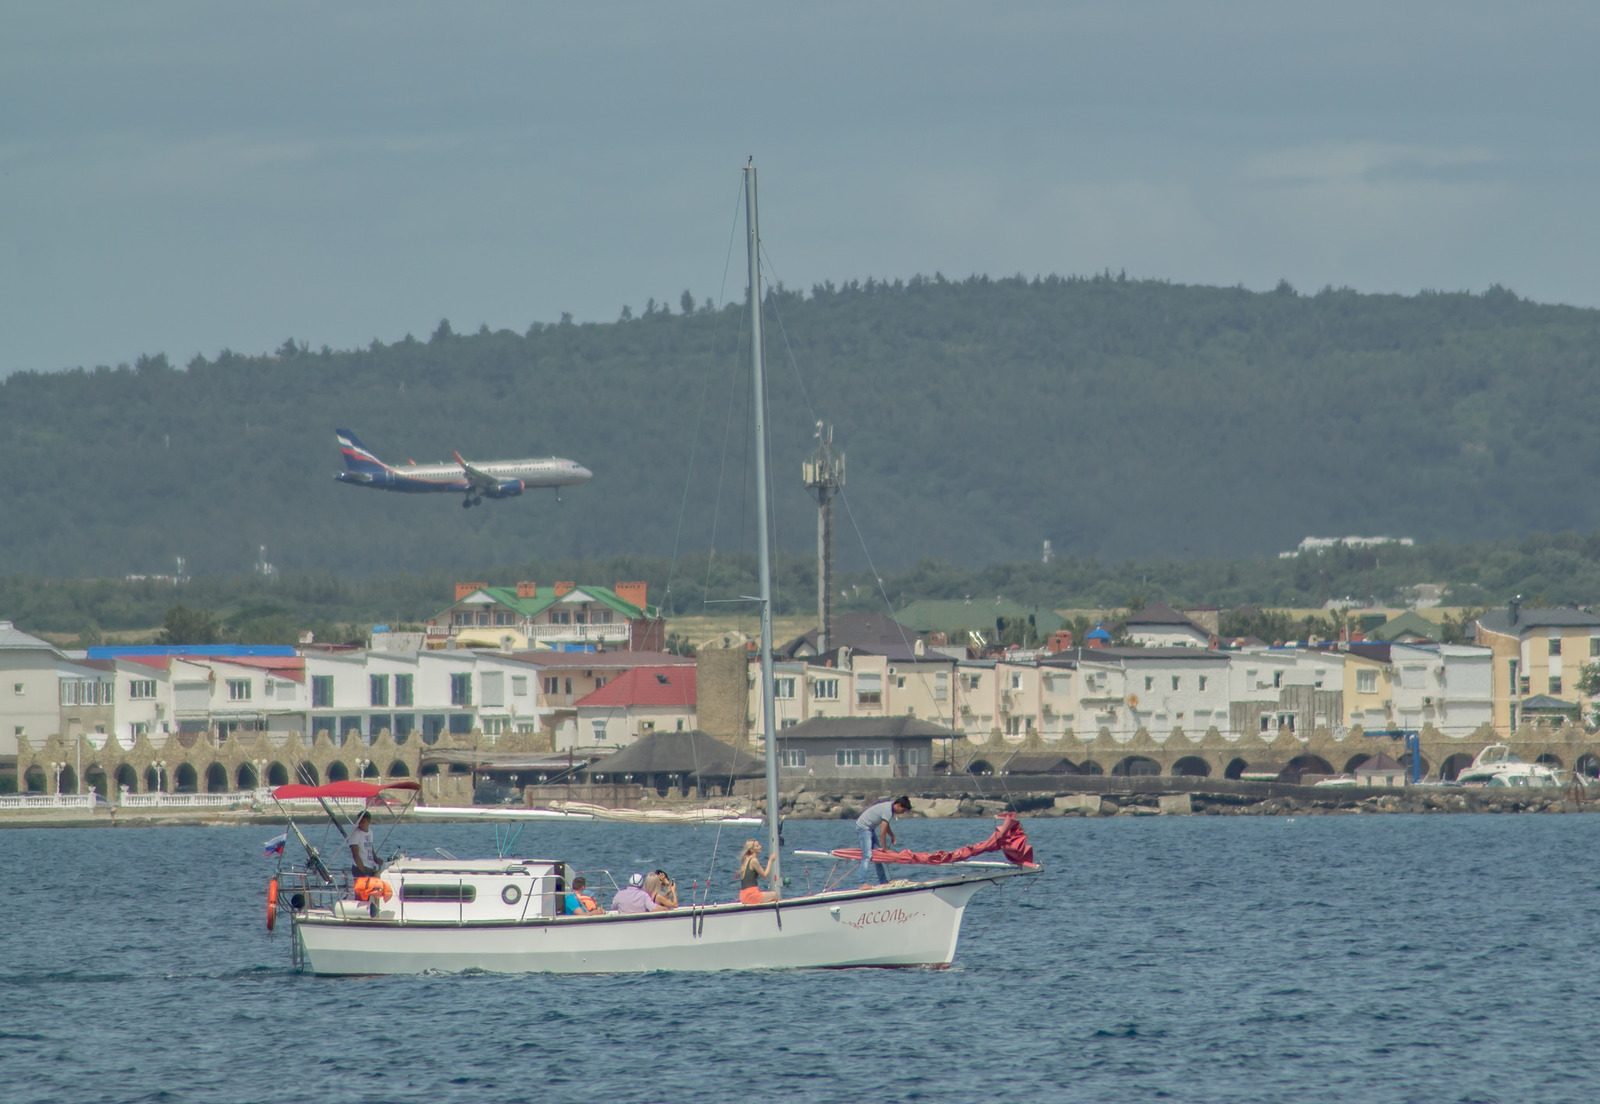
[(367, 790), (1009, 839)]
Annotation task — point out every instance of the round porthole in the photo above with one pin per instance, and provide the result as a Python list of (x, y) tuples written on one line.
[(511, 894)]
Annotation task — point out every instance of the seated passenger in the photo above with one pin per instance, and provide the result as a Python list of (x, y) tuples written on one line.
[(633, 898), (580, 903), (750, 874), (662, 889)]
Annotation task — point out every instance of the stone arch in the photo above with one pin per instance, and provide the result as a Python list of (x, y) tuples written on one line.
[(33, 780), (338, 772), (430, 770), (1235, 768), (306, 771), (1405, 761), (398, 769), (1588, 766), (370, 770), (979, 766), (94, 777), (1191, 766), (186, 779), (152, 780), (1454, 765), (1356, 760), (216, 778), (1136, 765), (127, 776), (277, 774), (1089, 766), (245, 778), (67, 781), (1550, 759), (1308, 764)]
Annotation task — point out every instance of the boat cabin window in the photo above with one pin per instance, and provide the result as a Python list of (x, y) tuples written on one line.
[(465, 894)]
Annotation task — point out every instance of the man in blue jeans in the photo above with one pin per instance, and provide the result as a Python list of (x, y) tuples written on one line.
[(874, 825)]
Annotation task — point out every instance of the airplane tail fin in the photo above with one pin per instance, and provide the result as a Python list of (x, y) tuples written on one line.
[(357, 457)]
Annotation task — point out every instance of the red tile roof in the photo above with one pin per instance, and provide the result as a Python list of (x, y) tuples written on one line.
[(659, 686)]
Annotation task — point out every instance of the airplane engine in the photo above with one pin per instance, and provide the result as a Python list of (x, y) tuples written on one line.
[(509, 488)]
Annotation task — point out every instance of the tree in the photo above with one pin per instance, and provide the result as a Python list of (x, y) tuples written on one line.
[(186, 626)]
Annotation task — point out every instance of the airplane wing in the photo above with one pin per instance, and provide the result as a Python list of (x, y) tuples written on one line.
[(477, 477)]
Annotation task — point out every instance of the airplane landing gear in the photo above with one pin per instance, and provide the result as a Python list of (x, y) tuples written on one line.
[(466, 503), (477, 500)]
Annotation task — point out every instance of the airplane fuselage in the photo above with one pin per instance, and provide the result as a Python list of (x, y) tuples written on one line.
[(430, 478), (473, 481)]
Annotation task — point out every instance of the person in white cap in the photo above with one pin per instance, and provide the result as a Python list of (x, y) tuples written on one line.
[(363, 858), (633, 898)]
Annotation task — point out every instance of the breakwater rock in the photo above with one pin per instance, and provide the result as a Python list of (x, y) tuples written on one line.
[(1214, 800)]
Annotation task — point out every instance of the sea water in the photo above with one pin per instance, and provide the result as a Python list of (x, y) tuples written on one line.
[(1340, 959)]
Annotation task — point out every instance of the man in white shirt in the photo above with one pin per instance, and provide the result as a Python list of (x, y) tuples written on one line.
[(363, 857)]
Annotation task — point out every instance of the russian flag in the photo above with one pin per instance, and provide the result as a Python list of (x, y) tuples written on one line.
[(275, 845)]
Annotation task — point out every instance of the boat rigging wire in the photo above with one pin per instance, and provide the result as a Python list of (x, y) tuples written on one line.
[(861, 539), (705, 385)]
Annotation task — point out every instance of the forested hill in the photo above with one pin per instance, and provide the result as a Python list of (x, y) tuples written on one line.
[(1114, 418)]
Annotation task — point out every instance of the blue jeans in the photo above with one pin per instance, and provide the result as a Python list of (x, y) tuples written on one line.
[(867, 864)]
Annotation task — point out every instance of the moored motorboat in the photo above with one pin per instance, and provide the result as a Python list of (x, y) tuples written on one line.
[(1496, 766)]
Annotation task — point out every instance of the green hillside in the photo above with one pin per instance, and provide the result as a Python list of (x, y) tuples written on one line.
[(1117, 419)]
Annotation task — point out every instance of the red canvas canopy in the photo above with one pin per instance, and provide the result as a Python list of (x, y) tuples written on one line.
[(1009, 839), (368, 790)]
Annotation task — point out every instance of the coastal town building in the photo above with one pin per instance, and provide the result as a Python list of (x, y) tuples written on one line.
[(560, 615), (640, 701), (829, 748), (42, 690), (1160, 626), (1536, 651)]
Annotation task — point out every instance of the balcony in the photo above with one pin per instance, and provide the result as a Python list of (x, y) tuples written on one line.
[(616, 633)]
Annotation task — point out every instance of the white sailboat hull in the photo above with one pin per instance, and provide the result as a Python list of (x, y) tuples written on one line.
[(911, 925)]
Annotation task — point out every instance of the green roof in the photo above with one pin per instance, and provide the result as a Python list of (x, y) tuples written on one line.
[(1408, 622), (952, 614), (546, 597)]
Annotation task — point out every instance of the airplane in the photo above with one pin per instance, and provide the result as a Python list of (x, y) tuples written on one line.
[(473, 481)]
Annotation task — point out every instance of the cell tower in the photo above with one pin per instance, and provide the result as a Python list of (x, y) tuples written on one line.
[(823, 475)]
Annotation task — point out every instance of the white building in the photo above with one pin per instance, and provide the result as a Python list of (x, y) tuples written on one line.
[(32, 675), (1448, 686), (1161, 626)]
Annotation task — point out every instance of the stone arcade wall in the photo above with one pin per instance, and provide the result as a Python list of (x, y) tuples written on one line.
[(244, 762), (1320, 752)]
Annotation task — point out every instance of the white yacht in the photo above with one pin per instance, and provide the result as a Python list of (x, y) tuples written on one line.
[(508, 914), (1496, 766)]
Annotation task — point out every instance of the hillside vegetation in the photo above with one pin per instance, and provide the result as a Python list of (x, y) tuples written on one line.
[(1117, 419), (1545, 569)]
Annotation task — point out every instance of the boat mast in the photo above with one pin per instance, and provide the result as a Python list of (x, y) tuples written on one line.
[(758, 401)]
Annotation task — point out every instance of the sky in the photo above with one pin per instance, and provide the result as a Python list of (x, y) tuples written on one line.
[(186, 177)]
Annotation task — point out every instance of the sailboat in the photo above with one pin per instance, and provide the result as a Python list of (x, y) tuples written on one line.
[(507, 914)]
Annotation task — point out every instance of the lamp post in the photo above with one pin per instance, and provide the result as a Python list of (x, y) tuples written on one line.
[(161, 776), (56, 769), (361, 768)]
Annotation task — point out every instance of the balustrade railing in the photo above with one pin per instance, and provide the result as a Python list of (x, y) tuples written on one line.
[(48, 801), (130, 800)]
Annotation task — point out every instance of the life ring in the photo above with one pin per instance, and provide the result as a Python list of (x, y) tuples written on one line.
[(272, 903)]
